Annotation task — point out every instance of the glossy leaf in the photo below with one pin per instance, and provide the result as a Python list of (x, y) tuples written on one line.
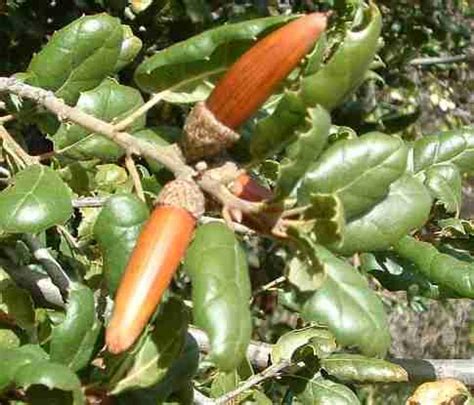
[(13, 360), (360, 369), (350, 309), (445, 185), (73, 340), (320, 391), (37, 200), (397, 274), (151, 360), (51, 375), (183, 69), (320, 340), (346, 69), (274, 132), (109, 101), (154, 137), (358, 171), (116, 230), (406, 207), (455, 147), (18, 305), (129, 49), (440, 268), (181, 371), (325, 217), (221, 292), (78, 57), (303, 151), (8, 338), (224, 382)]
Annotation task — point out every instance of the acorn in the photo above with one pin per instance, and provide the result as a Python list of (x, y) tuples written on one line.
[(211, 126), (160, 247)]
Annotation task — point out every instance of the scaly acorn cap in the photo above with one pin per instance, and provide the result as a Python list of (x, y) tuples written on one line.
[(185, 194), (249, 82)]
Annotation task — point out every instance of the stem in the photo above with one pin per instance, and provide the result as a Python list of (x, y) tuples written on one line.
[(92, 202), (17, 151), (137, 183), (6, 118), (437, 60), (273, 371), (126, 122)]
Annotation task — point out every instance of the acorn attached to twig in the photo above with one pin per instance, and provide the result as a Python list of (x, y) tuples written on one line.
[(159, 249), (210, 127)]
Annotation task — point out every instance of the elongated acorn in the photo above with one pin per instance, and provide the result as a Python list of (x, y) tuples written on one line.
[(210, 127), (160, 247)]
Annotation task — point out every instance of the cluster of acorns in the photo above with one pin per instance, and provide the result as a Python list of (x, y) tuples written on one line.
[(210, 129)]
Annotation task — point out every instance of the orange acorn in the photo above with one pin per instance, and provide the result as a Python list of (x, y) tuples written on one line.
[(247, 85), (159, 249)]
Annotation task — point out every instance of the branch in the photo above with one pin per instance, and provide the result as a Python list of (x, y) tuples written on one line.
[(132, 170), (15, 148), (438, 60), (166, 155), (169, 156), (273, 371), (418, 369), (88, 202)]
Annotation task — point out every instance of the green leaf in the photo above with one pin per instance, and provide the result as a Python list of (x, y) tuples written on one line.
[(325, 219), (336, 80), (51, 375), (359, 171), (440, 268), (303, 274), (78, 57), (154, 137), (111, 178), (73, 340), (455, 147), (131, 46), (360, 369), (183, 69), (181, 371), (18, 304), (151, 361), (110, 102), (406, 207), (397, 274), (221, 292), (224, 382), (8, 339), (445, 185), (351, 310), (303, 151), (13, 360), (197, 10), (116, 230), (37, 200), (320, 340), (320, 391), (177, 377), (274, 132)]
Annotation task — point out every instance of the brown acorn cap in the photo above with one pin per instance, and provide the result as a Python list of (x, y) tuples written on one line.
[(184, 194), (205, 135)]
